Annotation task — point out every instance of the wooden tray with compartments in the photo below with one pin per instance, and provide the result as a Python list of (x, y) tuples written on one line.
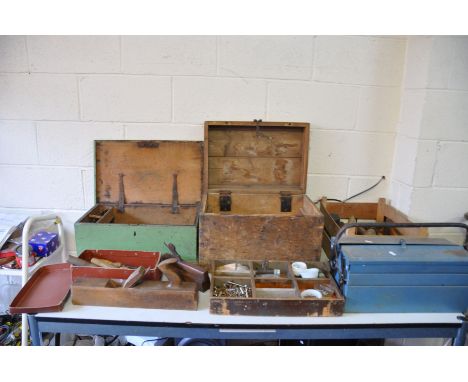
[(147, 193), (255, 207), (380, 212), (99, 287), (273, 290)]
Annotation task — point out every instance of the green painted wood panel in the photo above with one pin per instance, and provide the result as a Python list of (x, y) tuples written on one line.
[(137, 237)]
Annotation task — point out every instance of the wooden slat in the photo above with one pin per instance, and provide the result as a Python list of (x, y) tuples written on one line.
[(107, 217), (260, 237), (148, 168), (247, 154), (149, 294), (358, 210), (251, 204), (393, 215), (248, 143), (329, 224), (156, 215), (380, 210), (252, 171)]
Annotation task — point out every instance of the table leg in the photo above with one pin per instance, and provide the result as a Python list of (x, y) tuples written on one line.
[(459, 340), (34, 330)]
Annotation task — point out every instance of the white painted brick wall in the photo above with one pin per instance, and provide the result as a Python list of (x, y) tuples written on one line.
[(359, 60), (358, 184), (72, 143), (445, 115), (87, 176), (350, 153), (442, 204), (418, 61), (458, 78), (431, 152), (411, 111), (286, 57), (325, 106), (331, 186), (403, 203), (18, 142), (199, 99), (38, 97), (451, 169), (74, 54), (169, 55), (58, 94), (404, 160), (379, 109), (125, 98), (164, 131), (13, 54), (41, 187), (426, 157)]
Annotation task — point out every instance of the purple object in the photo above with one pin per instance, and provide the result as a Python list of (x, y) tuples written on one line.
[(44, 243)]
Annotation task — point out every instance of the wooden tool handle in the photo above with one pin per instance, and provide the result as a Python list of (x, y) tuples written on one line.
[(171, 247), (188, 271), (136, 276), (105, 263), (78, 262), (168, 268)]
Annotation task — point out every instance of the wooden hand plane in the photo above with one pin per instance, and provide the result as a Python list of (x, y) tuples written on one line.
[(186, 271)]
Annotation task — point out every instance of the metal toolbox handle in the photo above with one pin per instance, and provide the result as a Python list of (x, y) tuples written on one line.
[(335, 243)]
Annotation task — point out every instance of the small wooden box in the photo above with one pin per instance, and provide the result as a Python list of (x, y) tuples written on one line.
[(128, 259), (275, 295), (255, 205), (91, 286), (378, 212), (147, 193)]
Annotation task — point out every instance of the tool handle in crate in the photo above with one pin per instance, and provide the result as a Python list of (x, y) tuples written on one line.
[(336, 242)]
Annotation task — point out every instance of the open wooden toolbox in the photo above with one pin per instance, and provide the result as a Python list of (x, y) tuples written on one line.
[(271, 289), (255, 207), (147, 193), (103, 286), (336, 214)]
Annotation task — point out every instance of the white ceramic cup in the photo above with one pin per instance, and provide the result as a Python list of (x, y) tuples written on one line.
[(298, 267), (311, 293), (311, 273)]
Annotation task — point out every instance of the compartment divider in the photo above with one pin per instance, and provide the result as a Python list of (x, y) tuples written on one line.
[(254, 288), (108, 216)]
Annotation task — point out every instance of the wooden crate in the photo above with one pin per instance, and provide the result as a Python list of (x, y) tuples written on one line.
[(255, 205), (278, 295), (366, 212), (147, 193), (91, 286)]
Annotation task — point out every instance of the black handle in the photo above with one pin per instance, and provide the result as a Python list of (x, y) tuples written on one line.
[(340, 233)]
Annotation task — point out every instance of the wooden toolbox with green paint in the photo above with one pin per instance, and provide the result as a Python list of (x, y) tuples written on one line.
[(147, 193)]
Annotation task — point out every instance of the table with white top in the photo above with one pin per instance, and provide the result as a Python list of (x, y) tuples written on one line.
[(93, 320)]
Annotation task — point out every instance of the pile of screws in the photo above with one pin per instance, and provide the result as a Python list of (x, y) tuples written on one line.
[(232, 289)]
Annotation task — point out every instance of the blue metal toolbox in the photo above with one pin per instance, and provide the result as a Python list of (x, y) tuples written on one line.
[(400, 274)]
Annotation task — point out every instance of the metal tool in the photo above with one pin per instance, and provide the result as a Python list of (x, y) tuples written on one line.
[(232, 289)]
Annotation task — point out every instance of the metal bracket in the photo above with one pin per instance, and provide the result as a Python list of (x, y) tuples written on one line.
[(121, 207), (257, 126), (175, 195), (225, 201), (286, 201)]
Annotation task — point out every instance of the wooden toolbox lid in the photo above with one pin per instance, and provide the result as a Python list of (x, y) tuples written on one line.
[(256, 156), (148, 170)]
